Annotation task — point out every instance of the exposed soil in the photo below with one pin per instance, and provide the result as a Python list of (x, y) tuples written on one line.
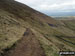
[(27, 46)]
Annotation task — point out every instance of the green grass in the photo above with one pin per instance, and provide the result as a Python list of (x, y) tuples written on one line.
[(48, 49), (70, 25), (55, 54)]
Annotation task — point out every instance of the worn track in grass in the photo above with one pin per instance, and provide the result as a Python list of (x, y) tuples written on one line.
[(27, 46)]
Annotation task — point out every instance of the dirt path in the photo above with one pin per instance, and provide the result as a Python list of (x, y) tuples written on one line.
[(28, 46)]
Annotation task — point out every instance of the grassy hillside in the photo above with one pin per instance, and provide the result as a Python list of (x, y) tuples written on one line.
[(52, 35)]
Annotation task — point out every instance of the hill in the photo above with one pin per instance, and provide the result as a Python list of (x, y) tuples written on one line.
[(65, 17), (25, 31)]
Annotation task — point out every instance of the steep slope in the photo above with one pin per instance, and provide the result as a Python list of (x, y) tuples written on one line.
[(24, 11), (48, 35)]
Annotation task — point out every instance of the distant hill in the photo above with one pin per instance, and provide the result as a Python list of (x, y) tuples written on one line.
[(65, 17), (56, 13), (27, 32)]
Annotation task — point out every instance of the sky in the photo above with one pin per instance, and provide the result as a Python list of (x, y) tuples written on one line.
[(52, 7)]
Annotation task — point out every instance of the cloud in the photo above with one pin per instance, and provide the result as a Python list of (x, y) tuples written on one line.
[(51, 5)]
